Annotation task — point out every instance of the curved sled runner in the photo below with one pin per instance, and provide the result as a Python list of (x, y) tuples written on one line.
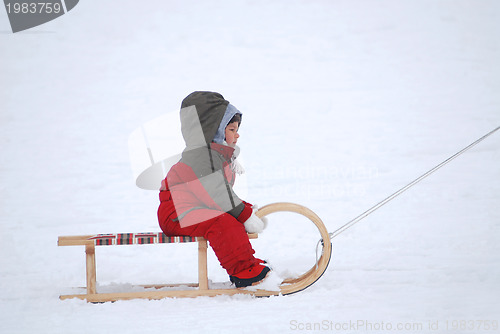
[(288, 286)]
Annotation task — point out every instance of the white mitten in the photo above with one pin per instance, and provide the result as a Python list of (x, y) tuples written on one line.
[(254, 224), (264, 220), (256, 208)]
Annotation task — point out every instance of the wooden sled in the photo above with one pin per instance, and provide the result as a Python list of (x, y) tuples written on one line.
[(288, 286)]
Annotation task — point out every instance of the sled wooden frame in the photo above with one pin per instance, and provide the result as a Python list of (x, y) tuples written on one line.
[(288, 286)]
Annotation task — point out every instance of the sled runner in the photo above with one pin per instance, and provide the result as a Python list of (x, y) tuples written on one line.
[(288, 286)]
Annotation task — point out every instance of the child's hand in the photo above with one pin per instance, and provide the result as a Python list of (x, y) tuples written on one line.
[(254, 224), (256, 208)]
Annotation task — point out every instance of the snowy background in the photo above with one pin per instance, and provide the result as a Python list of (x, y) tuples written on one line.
[(344, 102)]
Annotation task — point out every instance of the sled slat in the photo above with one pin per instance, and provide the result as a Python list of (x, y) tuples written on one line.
[(110, 297)]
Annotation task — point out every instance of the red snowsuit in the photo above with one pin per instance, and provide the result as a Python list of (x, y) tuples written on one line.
[(196, 197)]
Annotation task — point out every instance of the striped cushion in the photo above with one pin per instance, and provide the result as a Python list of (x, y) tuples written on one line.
[(139, 239)]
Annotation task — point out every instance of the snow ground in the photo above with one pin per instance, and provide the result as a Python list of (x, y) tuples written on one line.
[(345, 102)]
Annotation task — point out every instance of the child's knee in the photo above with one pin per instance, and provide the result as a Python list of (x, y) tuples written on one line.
[(227, 221), (226, 224)]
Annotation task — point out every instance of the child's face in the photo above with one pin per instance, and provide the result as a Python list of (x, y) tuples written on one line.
[(232, 134)]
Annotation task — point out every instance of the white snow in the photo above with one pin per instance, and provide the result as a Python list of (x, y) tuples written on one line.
[(344, 103)]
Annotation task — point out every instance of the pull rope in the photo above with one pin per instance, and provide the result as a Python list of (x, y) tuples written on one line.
[(408, 186)]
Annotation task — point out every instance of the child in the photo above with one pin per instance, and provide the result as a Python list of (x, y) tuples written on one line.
[(197, 198)]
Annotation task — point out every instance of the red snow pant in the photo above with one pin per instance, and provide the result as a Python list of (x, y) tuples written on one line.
[(227, 237)]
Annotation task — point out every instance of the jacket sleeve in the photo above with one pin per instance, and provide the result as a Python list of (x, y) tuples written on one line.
[(245, 213)]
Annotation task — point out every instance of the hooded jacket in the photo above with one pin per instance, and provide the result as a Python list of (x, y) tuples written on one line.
[(200, 186)]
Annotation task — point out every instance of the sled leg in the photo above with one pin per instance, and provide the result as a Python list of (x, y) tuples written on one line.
[(202, 265), (91, 271)]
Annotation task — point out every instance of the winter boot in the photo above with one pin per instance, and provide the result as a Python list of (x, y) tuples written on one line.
[(254, 274)]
